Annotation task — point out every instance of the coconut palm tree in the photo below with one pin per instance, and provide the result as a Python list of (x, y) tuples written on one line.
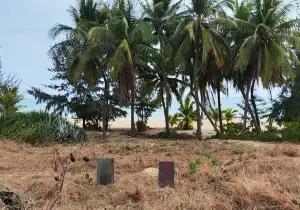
[(119, 44), (229, 114), (265, 53), (163, 16), (201, 47), (173, 120), (186, 114)]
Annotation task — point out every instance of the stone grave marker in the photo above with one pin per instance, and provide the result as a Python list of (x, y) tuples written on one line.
[(105, 171), (166, 173)]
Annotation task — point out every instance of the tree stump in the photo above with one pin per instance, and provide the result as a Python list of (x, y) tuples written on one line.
[(166, 173), (105, 171)]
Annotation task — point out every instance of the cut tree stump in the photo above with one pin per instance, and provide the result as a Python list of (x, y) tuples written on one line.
[(10, 199), (105, 171)]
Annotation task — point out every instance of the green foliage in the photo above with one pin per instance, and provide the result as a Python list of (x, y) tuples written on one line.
[(9, 100), (10, 96), (39, 128), (215, 163), (291, 131), (173, 120), (186, 114), (233, 130), (194, 165), (214, 113), (167, 135), (141, 126), (261, 136), (145, 103), (78, 98), (109, 50), (229, 114), (236, 131)]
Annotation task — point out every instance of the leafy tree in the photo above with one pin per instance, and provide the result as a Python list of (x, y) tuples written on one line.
[(90, 96), (76, 98), (286, 107), (9, 93), (145, 104)]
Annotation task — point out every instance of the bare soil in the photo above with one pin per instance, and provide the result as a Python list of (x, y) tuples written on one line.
[(230, 174)]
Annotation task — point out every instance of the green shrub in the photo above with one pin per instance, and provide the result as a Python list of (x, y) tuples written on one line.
[(141, 126), (194, 165), (233, 130), (39, 128), (291, 131), (262, 136), (215, 163), (164, 135)]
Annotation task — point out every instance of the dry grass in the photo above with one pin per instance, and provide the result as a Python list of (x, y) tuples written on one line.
[(230, 175)]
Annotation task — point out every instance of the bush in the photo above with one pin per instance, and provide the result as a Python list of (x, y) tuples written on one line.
[(39, 128), (233, 130), (164, 135), (194, 165), (141, 126), (262, 136), (291, 131)]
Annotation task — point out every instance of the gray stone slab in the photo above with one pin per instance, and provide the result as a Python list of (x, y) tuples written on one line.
[(105, 171)]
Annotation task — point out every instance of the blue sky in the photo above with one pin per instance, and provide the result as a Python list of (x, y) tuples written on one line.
[(24, 37)]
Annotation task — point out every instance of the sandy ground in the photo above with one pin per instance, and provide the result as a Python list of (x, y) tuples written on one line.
[(159, 125), (229, 174)]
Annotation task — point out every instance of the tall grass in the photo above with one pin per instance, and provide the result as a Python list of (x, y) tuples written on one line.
[(39, 128)]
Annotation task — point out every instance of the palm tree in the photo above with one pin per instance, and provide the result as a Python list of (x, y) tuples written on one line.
[(265, 54), (173, 120), (229, 114), (119, 44), (163, 17), (203, 47), (186, 114)]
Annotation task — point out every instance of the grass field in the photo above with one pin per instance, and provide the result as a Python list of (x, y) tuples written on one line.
[(209, 174)]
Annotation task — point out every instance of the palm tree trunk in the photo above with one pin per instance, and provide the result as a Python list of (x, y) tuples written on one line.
[(249, 108), (83, 123), (195, 81), (256, 117), (166, 114), (220, 109), (254, 77), (105, 108), (246, 99), (199, 104), (199, 118), (132, 97), (167, 104)]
